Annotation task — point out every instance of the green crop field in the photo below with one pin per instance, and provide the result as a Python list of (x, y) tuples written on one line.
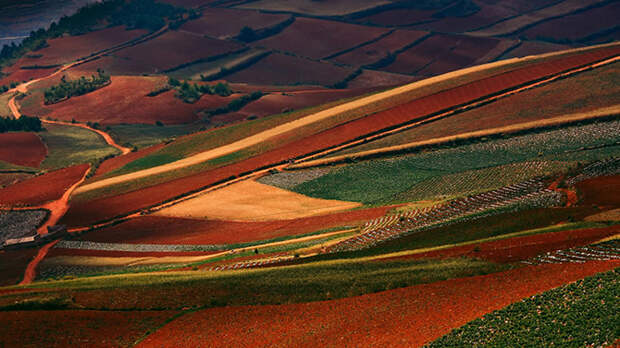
[(69, 145), (582, 314)]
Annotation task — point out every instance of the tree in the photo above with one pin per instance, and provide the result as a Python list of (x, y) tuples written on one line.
[(247, 34)]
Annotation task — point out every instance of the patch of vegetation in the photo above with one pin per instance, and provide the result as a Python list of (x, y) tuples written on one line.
[(466, 231), (134, 14), (38, 304), (69, 145), (22, 124), (67, 89), (236, 104), (582, 314), (191, 93), (304, 283), (248, 34), (144, 135)]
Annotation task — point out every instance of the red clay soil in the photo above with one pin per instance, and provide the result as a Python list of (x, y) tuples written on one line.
[(175, 48), (109, 253), (41, 189), (576, 26), (372, 53), (487, 15), (224, 23), (13, 263), (83, 328), (600, 191), (164, 230), (125, 100), (7, 179), (316, 38), (19, 75), (120, 161), (31, 270), (399, 17), (281, 69), (380, 79), (67, 49), (519, 248), (276, 103), (441, 53), (105, 208), (528, 48), (23, 148), (407, 317)]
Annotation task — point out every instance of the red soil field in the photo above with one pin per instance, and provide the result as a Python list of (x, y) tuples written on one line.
[(577, 26), (487, 15), (441, 53), (380, 78), (407, 317), (316, 38), (125, 100), (280, 69), (519, 248), (119, 161), (164, 230), (13, 263), (528, 48), (399, 17), (100, 209), (24, 149), (116, 66), (108, 253), (175, 48), (84, 328), (19, 75), (519, 6), (376, 51), (600, 191), (276, 103), (41, 189), (67, 49), (223, 23)]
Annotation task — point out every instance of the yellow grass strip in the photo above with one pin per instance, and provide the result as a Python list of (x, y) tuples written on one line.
[(555, 121), (252, 201)]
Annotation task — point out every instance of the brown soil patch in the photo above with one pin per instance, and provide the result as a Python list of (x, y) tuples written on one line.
[(600, 191)]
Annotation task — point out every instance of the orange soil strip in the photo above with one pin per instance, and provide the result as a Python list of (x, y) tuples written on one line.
[(284, 128), (30, 272), (403, 317), (252, 201), (555, 121)]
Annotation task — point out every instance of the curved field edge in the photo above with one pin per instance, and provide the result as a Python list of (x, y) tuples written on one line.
[(584, 313), (375, 102)]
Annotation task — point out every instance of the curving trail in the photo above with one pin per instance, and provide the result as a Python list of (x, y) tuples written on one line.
[(30, 272)]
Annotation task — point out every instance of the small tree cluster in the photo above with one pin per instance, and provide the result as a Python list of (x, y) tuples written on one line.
[(23, 124), (67, 89), (190, 93)]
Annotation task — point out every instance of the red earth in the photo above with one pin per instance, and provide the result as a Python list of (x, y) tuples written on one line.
[(520, 248), (316, 38), (372, 53), (13, 263), (125, 100), (380, 78), (43, 188), (407, 317), (577, 26), (20, 75), (104, 208), (84, 328), (528, 48), (281, 69), (67, 49), (175, 48), (441, 53), (23, 149), (120, 161), (399, 17), (109, 253), (224, 23), (600, 191), (487, 15), (165, 230), (7, 179)]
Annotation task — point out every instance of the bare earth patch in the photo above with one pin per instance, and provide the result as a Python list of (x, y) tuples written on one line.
[(253, 201)]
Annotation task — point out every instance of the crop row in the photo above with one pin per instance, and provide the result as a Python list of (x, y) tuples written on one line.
[(605, 167), (18, 224), (253, 263), (599, 252), (86, 245), (530, 193)]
